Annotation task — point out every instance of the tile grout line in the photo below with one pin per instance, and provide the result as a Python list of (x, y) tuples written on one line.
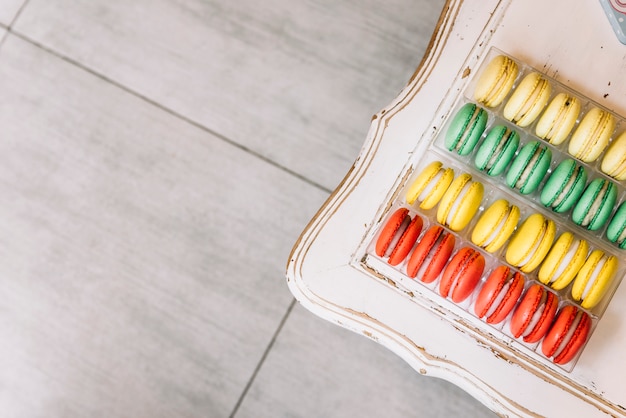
[(262, 360), (163, 108)]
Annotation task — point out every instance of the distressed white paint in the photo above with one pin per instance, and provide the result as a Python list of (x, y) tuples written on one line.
[(325, 272)]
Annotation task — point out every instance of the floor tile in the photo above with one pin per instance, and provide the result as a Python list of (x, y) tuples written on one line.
[(8, 10), (295, 81), (317, 369), (142, 259)]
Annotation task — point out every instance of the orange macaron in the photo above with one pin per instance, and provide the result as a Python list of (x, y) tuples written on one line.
[(398, 236)]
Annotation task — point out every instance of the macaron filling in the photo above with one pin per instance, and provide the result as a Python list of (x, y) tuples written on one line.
[(565, 262), (592, 278), (536, 316), (496, 155), (530, 168), (432, 184), (499, 298), (599, 200), (433, 251), (573, 178), (468, 128), (496, 231), (458, 201), (566, 340), (536, 244), (398, 234)]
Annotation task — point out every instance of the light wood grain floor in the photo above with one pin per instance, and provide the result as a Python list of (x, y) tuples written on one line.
[(158, 160)]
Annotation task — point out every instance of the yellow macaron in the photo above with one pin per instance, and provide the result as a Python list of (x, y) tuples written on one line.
[(614, 161), (528, 100), (460, 202), (566, 257), (531, 242), (594, 278), (430, 185), (496, 81), (496, 225), (592, 135), (559, 118)]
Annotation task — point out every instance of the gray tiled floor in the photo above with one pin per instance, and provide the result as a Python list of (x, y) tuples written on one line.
[(159, 159)]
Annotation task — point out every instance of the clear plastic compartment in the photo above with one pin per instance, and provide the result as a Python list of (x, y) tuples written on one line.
[(495, 188)]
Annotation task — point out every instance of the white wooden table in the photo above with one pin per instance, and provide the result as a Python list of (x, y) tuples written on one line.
[(328, 274)]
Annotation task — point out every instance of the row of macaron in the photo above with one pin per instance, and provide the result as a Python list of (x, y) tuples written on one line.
[(504, 294), (565, 190), (587, 142), (570, 259)]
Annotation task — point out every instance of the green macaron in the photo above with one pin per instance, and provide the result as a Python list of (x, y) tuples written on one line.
[(466, 128), (616, 232), (497, 150), (564, 186), (595, 205), (529, 167)]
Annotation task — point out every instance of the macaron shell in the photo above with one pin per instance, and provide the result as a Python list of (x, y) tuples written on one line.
[(616, 231), (595, 276), (495, 292), (435, 179), (614, 161), (406, 242), (528, 100), (534, 314), (497, 150), (592, 135), (556, 343), (389, 230), (496, 225), (531, 243), (462, 274), (496, 81), (460, 202), (565, 259), (594, 207), (466, 128), (564, 186), (435, 249), (558, 119), (529, 167)]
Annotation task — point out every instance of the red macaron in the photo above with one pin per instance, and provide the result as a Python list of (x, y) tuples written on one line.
[(567, 336), (499, 294), (431, 254), (534, 314), (398, 236), (462, 274)]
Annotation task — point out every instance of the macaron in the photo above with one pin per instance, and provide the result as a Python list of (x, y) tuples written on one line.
[(430, 185), (558, 119), (564, 186), (496, 81), (398, 236), (566, 257), (594, 278), (531, 243), (462, 274), (460, 202), (496, 225), (528, 99), (594, 207), (431, 254), (499, 294), (614, 161), (592, 135), (567, 336), (529, 167), (533, 316), (497, 150), (466, 128), (616, 231)]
